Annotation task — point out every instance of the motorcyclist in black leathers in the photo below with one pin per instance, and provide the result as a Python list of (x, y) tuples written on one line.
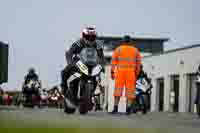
[(88, 39), (30, 76)]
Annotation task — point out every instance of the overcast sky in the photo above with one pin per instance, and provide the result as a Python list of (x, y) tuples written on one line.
[(39, 31)]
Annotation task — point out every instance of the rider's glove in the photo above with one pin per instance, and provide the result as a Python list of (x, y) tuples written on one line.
[(75, 59)]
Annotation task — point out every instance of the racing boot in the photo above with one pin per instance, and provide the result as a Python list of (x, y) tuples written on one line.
[(98, 107), (115, 110)]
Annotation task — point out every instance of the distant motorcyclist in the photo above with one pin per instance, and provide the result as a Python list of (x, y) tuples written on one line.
[(30, 76), (44, 94), (88, 40)]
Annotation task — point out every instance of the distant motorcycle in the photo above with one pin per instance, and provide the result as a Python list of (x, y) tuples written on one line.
[(31, 96), (89, 70), (53, 100), (44, 98), (56, 100), (143, 92)]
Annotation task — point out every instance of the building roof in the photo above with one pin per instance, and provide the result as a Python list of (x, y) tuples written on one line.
[(175, 50), (117, 38)]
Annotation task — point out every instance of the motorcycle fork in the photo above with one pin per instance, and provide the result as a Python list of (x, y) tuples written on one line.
[(81, 87)]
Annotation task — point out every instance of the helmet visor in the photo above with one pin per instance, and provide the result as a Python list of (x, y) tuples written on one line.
[(90, 38)]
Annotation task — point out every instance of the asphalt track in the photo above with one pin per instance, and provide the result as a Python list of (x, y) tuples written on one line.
[(181, 122)]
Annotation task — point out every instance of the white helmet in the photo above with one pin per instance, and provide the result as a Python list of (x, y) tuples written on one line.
[(89, 34)]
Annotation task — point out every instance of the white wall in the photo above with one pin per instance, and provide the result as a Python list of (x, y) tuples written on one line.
[(168, 64)]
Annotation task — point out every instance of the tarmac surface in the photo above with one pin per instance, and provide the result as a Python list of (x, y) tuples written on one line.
[(181, 122)]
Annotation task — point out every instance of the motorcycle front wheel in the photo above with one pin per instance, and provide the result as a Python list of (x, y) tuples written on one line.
[(85, 102), (68, 110)]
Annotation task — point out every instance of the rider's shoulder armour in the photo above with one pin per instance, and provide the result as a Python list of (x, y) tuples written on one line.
[(79, 43), (99, 44)]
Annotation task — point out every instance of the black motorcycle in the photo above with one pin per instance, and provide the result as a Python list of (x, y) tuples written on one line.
[(88, 70), (31, 96)]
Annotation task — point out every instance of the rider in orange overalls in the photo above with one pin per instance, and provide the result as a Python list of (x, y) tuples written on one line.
[(126, 61)]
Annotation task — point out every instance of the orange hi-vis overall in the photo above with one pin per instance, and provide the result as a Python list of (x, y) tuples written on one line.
[(126, 61)]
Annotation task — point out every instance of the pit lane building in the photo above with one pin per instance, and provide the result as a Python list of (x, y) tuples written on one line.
[(170, 71)]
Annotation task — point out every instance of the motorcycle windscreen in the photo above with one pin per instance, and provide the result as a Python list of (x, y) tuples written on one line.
[(89, 56)]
